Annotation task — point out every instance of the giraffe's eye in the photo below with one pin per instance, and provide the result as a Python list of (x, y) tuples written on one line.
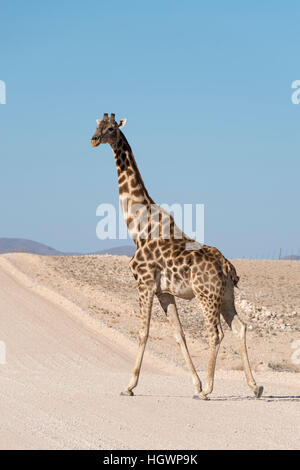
[(110, 129)]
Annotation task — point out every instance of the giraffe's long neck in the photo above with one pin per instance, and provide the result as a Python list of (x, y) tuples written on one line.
[(134, 197)]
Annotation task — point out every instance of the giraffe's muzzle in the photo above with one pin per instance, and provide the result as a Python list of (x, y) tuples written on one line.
[(95, 141)]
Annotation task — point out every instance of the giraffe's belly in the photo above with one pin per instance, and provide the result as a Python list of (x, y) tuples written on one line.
[(178, 288)]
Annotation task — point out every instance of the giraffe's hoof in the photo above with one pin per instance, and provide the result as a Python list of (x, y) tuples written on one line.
[(200, 396), (127, 393), (259, 391)]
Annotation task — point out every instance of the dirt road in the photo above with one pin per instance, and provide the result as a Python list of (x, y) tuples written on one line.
[(60, 387)]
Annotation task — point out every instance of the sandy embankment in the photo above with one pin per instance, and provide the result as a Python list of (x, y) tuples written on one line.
[(268, 300), (67, 362)]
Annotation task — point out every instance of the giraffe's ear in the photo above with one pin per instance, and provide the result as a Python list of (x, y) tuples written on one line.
[(122, 123), (98, 121)]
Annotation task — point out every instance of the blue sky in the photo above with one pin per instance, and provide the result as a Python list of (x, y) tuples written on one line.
[(206, 89)]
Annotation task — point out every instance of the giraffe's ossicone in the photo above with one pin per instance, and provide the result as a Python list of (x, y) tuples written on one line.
[(168, 264)]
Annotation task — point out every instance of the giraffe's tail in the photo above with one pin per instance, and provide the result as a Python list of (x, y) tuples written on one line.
[(229, 270)]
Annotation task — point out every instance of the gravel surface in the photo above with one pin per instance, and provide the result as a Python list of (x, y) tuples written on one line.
[(268, 299), (60, 385)]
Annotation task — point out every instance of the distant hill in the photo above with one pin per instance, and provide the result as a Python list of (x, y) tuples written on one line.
[(21, 245), (127, 250), (292, 257)]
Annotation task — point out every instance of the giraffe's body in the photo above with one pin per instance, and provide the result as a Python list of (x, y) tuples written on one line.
[(169, 264)]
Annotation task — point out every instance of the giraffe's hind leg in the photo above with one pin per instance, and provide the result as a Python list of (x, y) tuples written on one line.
[(215, 337), (239, 329), (211, 314), (168, 304), (146, 300)]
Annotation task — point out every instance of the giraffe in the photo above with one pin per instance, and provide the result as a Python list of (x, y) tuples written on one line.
[(168, 264)]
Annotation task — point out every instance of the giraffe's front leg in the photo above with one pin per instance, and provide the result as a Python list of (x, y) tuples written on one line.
[(146, 295)]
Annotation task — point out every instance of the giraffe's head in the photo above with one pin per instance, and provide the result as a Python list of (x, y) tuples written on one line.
[(107, 131)]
